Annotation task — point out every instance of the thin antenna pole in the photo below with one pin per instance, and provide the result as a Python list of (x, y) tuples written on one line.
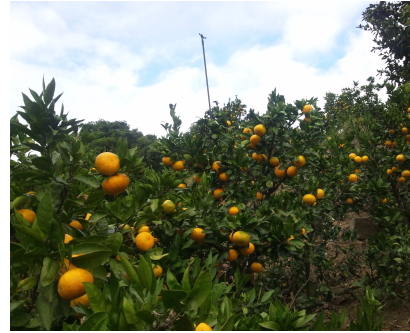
[(206, 74)]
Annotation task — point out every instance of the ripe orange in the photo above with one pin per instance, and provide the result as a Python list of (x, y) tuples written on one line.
[(257, 157), (407, 139), (168, 206), (241, 238), (365, 158), (28, 215), (246, 251), (309, 199), (274, 161), (256, 267), (77, 225), (388, 143), (144, 241), (280, 173), (400, 158), (301, 161), (167, 161), (157, 270), (178, 166), (356, 170), (217, 193), (252, 145), (197, 179), (352, 156), (233, 255), (67, 238), (292, 171), (233, 211), (401, 179), (228, 123), (307, 108), (404, 130), (307, 120), (223, 177), (320, 193), (203, 327), (255, 139), (84, 300), (350, 201), (353, 178), (264, 158), (70, 285), (197, 235), (358, 159), (391, 131), (182, 185), (115, 184), (394, 168), (259, 196), (259, 130), (107, 164), (216, 166), (383, 200), (405, 173), (144, 228), (389, 171)]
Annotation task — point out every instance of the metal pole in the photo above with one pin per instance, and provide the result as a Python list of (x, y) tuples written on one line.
[(206, 74)]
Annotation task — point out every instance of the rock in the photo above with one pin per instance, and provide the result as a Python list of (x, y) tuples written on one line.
[(364, 227)]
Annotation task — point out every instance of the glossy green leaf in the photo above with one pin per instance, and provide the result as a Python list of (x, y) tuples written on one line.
[(49, 271), (202, 287)]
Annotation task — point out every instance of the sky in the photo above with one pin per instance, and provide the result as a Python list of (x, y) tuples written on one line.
[(128, 61)]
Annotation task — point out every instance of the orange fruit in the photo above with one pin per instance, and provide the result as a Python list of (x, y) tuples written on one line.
[(405, 173), (217, 194), (197, 235), (289, 239), (182, 185), (257, 157), (241, 238), (157, 269), (144, 241), (400, 158), (356, 170), (216, 166), (358, 159), (255, 139), (388, 143), (144, 228), (67, 238), (320, 193), (228, 123), (259, 130), (87, 217), (391, 131), (107, 163), (168, 206), (256, 267), (115, 184), (384, 200), (223, 177), (233, 255), (274, 161), (404, 130), (350, 201), (407, 139), (307, 120), (252, 145), (401, 179), (84, 300), (28, 215), (309, 199), (352, 156), (280, 173), (259, 196), (301, 161), (264, 158), (178, 166), (307, 108), (70, 285), (233, 211), (63, 269), (203, 327), (77, 225), (292, 171), (197, 179), (167, 161), (389, 171), (353, 178), (365, 158), (249, 250), (394, 168)]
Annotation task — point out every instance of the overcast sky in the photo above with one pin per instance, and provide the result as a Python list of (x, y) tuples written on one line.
[(130, 60)]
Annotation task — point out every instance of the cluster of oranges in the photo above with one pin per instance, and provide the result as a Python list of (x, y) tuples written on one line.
[(310, 199), (177, 166), (108, 164), (306, 111)]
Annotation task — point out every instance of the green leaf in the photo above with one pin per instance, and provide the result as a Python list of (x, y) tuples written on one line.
[(267, 295), (129, 311), (172, 281), (132, 274), (18, 202), (96, 322), (271, 325), (154, 204), (45, 213), (49, 271), (96, 297), (43, 163), (304, 320), (17, 304), (83, 176), (228, 326), (186, 285), (92, 255), (45, 311), (145, 273), (49, 92), (172, 298), (202, 287), (146, 316), (70, 327), (27, 283)]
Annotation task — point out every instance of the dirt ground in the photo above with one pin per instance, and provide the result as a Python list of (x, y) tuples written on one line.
[(396, 313)]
